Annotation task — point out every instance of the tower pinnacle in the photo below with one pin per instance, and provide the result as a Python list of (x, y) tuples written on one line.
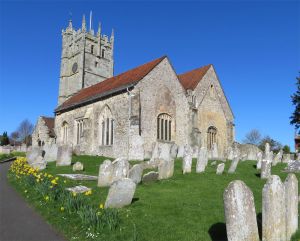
[(83, 27)]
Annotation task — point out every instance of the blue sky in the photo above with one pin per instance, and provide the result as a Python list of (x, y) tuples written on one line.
[(254, 46)]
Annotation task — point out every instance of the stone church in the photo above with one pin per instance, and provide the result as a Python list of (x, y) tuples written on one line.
[(125, 115)]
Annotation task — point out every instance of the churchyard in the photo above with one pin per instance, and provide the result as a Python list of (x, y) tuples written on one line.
[(164, 205)]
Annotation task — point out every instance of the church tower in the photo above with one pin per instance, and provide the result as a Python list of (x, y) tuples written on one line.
[(86, 59)]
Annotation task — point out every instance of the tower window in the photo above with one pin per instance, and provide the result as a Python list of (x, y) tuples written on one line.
[(164, 127), (92, 49), (103, 53)]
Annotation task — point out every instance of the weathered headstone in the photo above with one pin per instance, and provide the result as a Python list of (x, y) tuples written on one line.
[(180, 152), (293, 166), (202, 160), (174, 151), (78, 189), (164, 151), (230, 153), (136, 148), (105, 174), (187, 159), (286, 158), (273, 210), (150, 177), (78, 166), (39, 163), (195, 151), (165, 169), (50, 152), (79, 177), (265, 171), (277, 158), (240, 215), (267, 151), (120, 193), (233, 165), (32, 155), (120, 168), (214, 151), (64, 155), (259, 160), (213, 163), (220, 169), (291, 203), (136, 172)]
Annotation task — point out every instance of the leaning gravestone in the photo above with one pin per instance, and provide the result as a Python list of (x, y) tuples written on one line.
[(265, 171), (120, 193), (165, 169), (120, 168), (233, 165), (291, 203), (105, 174), (32, 155), (240, 215), (259, 160), (187, 159), (220, 169), (78, 166), (39, 163), (135, 173), (64, 155), (150, 177), (273, 210), (277, 158), (202, 160)]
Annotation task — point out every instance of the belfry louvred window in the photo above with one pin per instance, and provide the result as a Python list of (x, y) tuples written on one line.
[(164, 127)]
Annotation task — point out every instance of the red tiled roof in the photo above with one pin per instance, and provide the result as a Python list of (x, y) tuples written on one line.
[(191, 79), (111, 85), (49, 121)]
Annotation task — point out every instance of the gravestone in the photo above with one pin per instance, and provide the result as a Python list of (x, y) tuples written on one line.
[(120, 168), (78, 189), (286, 158), (135, 173), (180, 152), (120, 193), (202, 160), (277, 158), (105, 174), (267, 154), (64, 155), (259, 160), (291, 203), (136, 147), (39, 163), (220, 169), (233, 165), (78, 166), (79, 177), (195, 151), (50, 152), (174, 151), (214, 151), (293, 166), (230, 153), (187, 159), (273, 210), (32, 155), (150, 177), (240, 214), (164, 151), (265, 171), (165, 169)]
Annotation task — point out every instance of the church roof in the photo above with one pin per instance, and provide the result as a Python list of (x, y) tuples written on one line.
[(190, 79), (49, 122), (109, 86)]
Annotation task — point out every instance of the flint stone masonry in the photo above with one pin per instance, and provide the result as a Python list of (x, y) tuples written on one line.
[(165, 169), (135, 173), (120, 193), (291, 204), (150, 177), (202, 160), (120, 168), (105, 174), (214, 151), (220, 169), (187, 159), (240, 214), (32, 155), (233, 165), (78, 166), (273, 210), (78, 189), (265, 171), (64, 155), (79, 177)]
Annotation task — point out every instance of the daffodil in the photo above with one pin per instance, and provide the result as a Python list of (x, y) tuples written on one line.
[(62, 209), (101, 206)]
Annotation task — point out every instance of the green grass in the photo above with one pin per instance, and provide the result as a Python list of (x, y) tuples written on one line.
[(185, 207), (14, 153)]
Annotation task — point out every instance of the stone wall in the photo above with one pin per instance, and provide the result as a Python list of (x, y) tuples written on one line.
[(41, 133)]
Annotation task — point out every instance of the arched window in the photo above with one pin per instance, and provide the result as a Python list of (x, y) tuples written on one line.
[(79, 130), (65, 130), (106, 127), (211, 137), (164, 127)]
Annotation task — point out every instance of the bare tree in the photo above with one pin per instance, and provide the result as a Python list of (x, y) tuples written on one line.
[(14, 136), (25, 130), (253, 137)]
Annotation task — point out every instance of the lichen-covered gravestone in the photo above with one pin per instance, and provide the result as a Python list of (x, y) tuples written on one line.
[(50, 152), (39, 163), (259, 160), (220, 169), (291, 202), (78, 166), (187, 159), (120, 193), (265, 171), (174, 151), (202, 160), (150, 177), (136, 172), (240, 215), (64, 155), (273, 210), (277, 158), (105, 174), (234, 164), (32, 155), (120, 168), (286, 158), (165, 169)]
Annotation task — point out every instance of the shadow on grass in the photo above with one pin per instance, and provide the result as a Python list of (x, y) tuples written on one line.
[(259, 224), (217, 232), (258, 175), (135, 199)]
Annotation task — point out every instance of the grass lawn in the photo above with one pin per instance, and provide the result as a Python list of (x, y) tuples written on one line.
[(15, 153), (185, 207)]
